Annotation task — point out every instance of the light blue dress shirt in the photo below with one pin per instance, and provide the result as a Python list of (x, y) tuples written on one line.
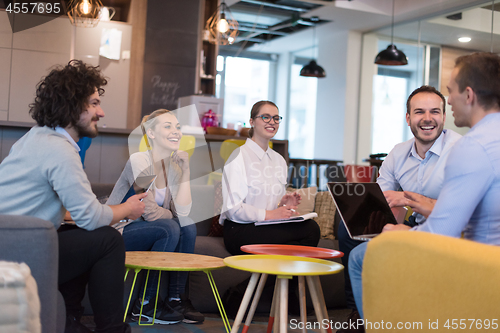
[(470, 198), (404, 168)]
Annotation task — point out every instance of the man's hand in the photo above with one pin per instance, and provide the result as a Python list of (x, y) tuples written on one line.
[(283, 212), (419, 203), (395, 198), (136, 206), (291, 199), (395, 227)]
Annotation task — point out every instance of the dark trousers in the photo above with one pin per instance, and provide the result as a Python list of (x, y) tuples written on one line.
[(346, 244), (305, 233), (95, 258)]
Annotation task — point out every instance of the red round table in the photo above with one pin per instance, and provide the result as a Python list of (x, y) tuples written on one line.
[(297, 251), (292, 250)]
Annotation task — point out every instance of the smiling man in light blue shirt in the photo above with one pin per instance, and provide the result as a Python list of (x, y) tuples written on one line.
[(468, 201), (415, 166)]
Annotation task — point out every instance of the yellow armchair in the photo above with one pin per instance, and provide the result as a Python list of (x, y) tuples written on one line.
[(418, 278)]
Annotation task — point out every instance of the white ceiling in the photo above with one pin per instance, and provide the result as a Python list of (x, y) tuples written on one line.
[(369, 15)]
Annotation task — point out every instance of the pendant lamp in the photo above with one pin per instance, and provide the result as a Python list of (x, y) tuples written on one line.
[(222, 27), (312, 69), (391, 56), (84, 13)]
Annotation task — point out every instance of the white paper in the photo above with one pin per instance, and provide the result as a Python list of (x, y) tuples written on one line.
[(111, 43), (292, 219)]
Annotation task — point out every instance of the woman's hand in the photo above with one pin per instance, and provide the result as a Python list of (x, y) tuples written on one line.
[(291, 199), (181, 158), (283, 212)]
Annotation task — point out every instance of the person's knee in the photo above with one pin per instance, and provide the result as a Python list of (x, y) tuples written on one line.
[(169, 228), (357, 256), (110, 235)]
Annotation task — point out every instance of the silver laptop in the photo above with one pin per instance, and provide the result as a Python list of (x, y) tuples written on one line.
[(362, 207)]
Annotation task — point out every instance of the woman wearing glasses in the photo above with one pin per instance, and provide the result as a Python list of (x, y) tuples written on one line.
[(254, 189)]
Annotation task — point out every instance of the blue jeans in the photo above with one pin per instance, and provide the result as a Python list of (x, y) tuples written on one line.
[(355, 269), (162, 236), (346, 245)]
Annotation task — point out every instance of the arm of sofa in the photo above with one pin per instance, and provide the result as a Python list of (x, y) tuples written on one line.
[(34, 241), (418, 277)]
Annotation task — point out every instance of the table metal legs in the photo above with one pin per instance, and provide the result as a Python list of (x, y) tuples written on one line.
[(218, 300), (137, 270), (211, 280)]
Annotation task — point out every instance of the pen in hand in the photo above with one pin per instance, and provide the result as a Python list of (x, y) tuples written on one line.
[(293, 210)]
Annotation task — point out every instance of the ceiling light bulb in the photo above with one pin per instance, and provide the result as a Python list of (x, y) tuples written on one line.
[(464, 39), (85, 7), (222, 25)]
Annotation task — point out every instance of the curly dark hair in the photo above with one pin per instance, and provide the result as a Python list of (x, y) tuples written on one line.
[(63, 95)]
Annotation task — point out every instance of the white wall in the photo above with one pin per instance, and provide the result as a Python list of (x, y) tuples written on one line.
[(368, 70), (337, 101), (282, 89), (27, 56)]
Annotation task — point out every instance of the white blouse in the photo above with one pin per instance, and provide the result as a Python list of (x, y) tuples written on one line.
[(253, 181)]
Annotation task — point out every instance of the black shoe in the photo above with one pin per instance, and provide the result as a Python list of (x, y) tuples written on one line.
[(164, 314), (352, 324), (73, 324), (184, 307)]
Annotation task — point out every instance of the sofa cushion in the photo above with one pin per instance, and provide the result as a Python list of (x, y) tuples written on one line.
[(325, 208)]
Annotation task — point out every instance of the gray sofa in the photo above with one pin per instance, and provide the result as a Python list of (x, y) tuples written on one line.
[(34, 241)]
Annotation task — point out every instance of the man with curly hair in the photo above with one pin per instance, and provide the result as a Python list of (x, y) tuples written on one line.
[(43, 175)]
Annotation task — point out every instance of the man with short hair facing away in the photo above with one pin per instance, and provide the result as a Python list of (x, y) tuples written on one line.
[(415, 166), (43, 175), (468, 201)]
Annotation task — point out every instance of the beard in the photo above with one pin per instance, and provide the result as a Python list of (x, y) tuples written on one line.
[(426, 139), (87, 130)]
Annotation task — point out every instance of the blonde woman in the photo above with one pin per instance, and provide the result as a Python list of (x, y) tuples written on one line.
[(164, 226)]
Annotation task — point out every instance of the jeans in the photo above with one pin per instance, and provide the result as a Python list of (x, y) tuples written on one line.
[(355, 269), (164, 235), (346, 245)]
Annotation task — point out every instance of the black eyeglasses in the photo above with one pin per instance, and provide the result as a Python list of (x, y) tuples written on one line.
[(267, 118)]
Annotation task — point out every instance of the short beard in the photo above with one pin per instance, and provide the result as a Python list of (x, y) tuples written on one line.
[(86, 131)]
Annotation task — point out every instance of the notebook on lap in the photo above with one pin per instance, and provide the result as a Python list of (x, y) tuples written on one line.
[(362, 207)]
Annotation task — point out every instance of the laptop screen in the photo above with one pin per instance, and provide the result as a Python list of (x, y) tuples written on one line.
[(362, 206)]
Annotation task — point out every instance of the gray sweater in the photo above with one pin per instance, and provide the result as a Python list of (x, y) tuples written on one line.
[(140, 164), (42, 174)]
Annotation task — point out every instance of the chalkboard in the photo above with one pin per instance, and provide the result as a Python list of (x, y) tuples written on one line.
[(171, 53), (164, 84)]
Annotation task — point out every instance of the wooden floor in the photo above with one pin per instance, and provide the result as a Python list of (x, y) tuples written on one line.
[(213, 324)]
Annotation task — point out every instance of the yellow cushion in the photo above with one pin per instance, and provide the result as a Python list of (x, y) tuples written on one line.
[(423, 278)]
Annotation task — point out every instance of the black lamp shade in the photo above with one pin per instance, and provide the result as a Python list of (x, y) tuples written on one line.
[(391, 57), (312, 69)]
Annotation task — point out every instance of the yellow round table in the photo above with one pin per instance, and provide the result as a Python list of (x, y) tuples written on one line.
[(284, 267), (173, 261)]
